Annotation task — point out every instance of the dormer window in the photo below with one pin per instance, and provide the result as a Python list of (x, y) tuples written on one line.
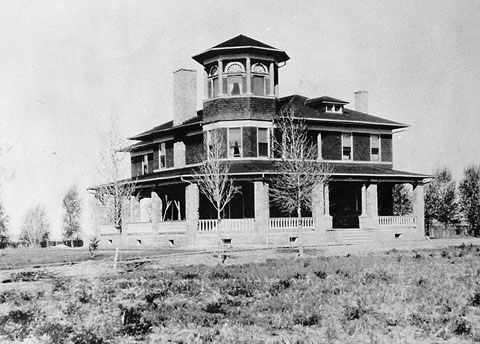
[(334, 108), (260, 80), (235, 75), (213, 83)]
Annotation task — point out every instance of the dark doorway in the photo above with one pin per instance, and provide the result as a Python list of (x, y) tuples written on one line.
[(345, 204)]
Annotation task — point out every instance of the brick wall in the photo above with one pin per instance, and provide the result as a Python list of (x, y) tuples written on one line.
[(361, 147), (386, 150), (239, 108), (331, 145), (194, 149), (156, 164)]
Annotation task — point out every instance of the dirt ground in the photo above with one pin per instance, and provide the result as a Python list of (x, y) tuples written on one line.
[(93, 269)]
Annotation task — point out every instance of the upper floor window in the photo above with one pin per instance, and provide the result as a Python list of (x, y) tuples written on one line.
[(375, 147), (260, 80), (346, 146), (162, 156), (234, 142), (145, 164), (263, 142), (235, 77), (213, 83)]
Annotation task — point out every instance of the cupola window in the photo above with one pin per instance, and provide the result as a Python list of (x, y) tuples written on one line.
[(235, 75), (260, 80), (213, 83)]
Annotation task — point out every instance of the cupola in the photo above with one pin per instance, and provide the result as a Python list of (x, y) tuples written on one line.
[(241, 66)]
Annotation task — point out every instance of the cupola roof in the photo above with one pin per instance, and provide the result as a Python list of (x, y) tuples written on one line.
[(242, 44)]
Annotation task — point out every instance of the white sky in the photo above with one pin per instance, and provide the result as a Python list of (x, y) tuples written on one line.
[(66, 67)]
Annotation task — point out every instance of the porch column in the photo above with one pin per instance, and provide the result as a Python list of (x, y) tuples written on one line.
[(419, 206), (364, 200), (320, 208), (369, 217), (156, 211), (192, 201), (262, 211), (134, 209), (126, 216)]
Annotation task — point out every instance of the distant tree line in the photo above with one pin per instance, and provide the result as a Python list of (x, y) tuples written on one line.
[(451, 205)]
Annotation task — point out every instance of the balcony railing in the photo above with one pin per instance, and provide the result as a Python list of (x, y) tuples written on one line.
[(408, 220), (291, 222), (205, 226)]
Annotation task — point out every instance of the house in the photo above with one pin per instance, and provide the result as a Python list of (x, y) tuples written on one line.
[(241, 82)]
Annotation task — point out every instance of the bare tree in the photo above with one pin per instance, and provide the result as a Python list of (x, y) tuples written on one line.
[(4, 237), (115, 189), (36, 228), (213, 177), (298, 169)]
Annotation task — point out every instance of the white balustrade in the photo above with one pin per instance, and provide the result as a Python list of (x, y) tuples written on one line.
[(291, 222), (227, 225), (408, 220)]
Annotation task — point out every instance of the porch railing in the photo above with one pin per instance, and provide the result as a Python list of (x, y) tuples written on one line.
[(205, 226), (408, 220), (291, 222), (138, 227)]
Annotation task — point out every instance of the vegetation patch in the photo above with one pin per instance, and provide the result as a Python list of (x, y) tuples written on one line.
[(387, 298)]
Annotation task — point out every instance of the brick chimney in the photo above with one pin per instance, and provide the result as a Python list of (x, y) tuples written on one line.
[(361, 101), (184, 95)]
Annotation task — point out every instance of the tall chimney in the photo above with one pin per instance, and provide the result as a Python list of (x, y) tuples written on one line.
[(184, 95), (361, 101)]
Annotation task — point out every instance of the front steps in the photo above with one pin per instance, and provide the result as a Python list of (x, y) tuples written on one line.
[(354, 236)]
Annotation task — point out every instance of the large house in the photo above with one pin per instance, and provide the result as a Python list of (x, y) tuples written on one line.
[(241, 81)]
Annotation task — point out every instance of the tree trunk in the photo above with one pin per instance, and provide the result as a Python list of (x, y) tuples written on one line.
[(117, 249), (300, 232), (219, 238)]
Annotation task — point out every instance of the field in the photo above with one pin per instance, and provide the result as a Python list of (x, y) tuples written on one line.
[(412, 296)]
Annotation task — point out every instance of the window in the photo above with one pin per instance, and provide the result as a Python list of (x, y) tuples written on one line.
[(145, 164), (375, 147), (346, 146), (260, 80), (162, 156), (263, 142), (213, 84), (234, 142), (235, 78)]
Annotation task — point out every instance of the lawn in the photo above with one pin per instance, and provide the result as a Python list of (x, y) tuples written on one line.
[(421, 296)]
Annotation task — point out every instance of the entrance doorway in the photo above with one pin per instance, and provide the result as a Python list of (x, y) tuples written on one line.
[(345, 204)]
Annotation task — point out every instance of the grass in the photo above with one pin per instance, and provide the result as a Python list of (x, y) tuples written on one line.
[(422, 296)]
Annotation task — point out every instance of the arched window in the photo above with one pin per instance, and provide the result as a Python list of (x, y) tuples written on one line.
[(213, 83), (260, 80), (235, 79)]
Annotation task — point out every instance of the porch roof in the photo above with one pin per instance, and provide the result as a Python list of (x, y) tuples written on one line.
[(259, 169)]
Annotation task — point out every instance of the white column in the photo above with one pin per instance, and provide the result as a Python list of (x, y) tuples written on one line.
[(262, 210), (156, 210), (419, 206), (192, 203), (272, 80), (249, 76), (220, 77), (364, 200)]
